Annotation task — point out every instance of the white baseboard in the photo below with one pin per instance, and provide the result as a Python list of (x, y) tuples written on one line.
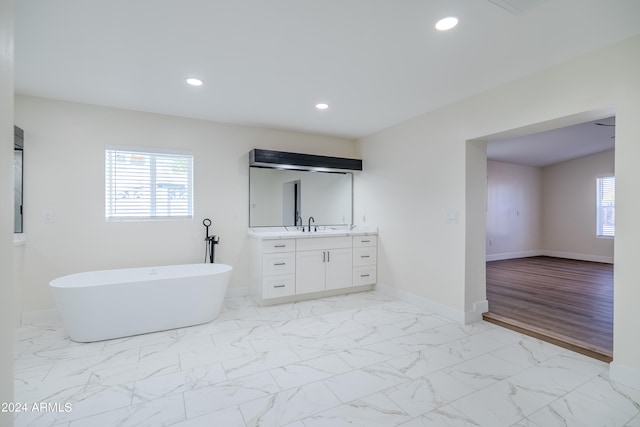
[(580, 257), (512, 255), (625, 375), (557, 254), (237, 291), (424, 303), (475, 315), (41, 316)]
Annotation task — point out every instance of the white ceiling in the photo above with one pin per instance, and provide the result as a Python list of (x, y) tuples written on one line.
[(554, 146), (268, 62)]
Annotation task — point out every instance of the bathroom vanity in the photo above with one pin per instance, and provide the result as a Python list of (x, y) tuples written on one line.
[(294, 265), (293, 257)]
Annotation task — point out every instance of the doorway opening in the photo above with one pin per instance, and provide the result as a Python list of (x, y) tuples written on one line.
[(549, 272)]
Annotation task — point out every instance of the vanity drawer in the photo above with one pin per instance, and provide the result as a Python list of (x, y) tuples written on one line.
[(360, 241), (284, 263), (364, 256), (322, 243), (280, 245), (279, 286), (364, 275)]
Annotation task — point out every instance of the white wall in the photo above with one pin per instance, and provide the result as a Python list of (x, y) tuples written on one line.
[(568, 208), (64, 172), (513, 210), (7, 319), (420, 173)]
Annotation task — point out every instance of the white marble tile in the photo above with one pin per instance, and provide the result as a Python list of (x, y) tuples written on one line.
[(445, 416), (528, 352), (89, 401), (298, 374), (501, 404), (423, 362), (121, 374), (165, 385), (578, 410), (458, 330), (175, 347), (288, 406), (549, 380), (359, 357), (421, 340), (634, 422), (371, 411), (587, 366), (483, 371), (283, 339), (471, 346), (333, 328), (259, 362), (374, 334), (229, 393), (620, 398), (228, 417), (323, 347), (427, 393), (362, 382), (202, 357), (421, 323), (164, 411), (82, 365), (59, 389), (241, 338)]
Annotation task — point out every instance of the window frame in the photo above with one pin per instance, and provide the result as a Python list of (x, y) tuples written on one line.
[(110, 192), (600, 231)]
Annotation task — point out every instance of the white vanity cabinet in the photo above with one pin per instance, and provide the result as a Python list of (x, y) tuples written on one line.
[(365, 260), (323, 264), (277, 268), (286, 267)]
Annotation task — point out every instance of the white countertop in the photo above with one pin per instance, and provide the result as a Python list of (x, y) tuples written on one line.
[(296, 233)]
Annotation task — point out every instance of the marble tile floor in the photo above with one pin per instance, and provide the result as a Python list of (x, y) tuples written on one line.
[(362, 359)]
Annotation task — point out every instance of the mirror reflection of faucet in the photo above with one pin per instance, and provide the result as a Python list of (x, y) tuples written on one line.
[(299, 218)]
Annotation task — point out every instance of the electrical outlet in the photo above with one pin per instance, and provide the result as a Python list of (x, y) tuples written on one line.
[(48, 215)]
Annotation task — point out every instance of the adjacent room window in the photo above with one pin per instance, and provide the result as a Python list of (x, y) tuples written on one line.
[(606, 206), (148, 184)]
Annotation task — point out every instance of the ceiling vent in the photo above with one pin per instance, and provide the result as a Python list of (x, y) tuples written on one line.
[(517, 7)]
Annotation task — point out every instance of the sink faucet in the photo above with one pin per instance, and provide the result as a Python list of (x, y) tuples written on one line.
[(311, 219)]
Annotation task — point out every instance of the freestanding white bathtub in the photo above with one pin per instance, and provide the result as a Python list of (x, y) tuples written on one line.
[(100, 305)]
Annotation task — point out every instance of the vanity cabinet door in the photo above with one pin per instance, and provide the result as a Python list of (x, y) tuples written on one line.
[(339, 269), (310, 271)]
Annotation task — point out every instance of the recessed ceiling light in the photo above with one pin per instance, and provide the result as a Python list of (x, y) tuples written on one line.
[(322, 106), (194, 82), (447, 23)]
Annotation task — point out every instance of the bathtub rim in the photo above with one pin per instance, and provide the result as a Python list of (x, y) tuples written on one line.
[(71, 281)]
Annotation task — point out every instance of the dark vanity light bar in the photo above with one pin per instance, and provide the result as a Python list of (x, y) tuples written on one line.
[(283, 159)]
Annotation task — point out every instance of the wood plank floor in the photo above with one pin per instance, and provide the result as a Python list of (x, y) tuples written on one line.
[(567, 300)]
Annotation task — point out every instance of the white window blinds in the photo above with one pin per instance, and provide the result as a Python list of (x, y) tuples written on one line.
[(148, 184), (606, 206)]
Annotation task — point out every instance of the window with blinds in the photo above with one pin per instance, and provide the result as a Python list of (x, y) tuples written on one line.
[(148, 184), (606, 206)]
